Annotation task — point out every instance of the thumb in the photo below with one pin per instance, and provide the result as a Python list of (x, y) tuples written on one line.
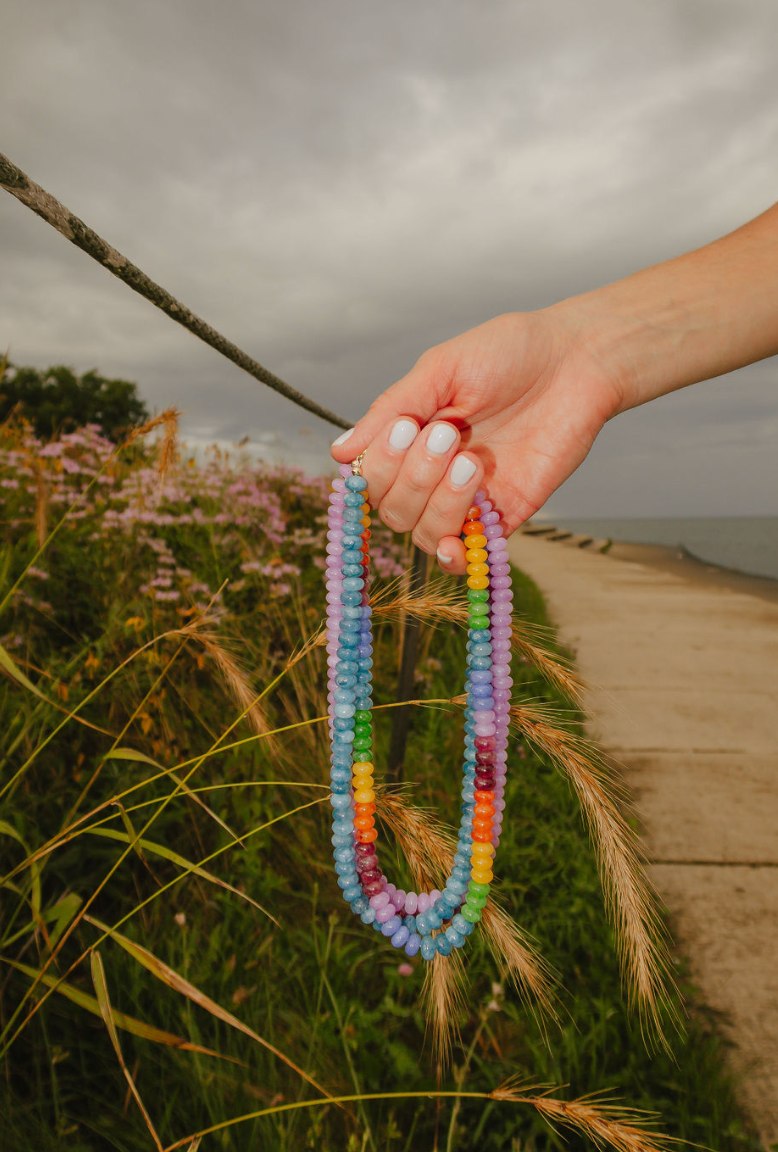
[(415, 395)]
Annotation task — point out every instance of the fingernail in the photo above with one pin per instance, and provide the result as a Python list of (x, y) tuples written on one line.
[(444, 559), (403, 434), (462, 470), (342, 438), (440, 439)]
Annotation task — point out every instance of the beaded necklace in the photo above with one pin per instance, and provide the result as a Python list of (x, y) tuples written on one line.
[(431, 923)]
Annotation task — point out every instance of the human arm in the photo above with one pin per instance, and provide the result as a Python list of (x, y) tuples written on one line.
[(527, 393)]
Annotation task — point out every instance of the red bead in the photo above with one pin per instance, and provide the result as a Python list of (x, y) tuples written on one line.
[(371, 875), (486, 758), (372, 889), (484, 743), (365, 850), (473, 512)]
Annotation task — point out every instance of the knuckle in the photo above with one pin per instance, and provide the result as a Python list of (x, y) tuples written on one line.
[(392, 518), (422, 541)]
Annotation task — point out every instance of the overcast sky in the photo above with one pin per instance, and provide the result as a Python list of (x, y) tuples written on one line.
[(337, 184)]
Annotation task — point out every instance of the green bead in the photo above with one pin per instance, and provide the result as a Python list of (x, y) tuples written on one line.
[(475, 889), (362, 730), (362, 744), (479, 609), (477, 595), (473, 915), (477, 622), (366, 755), (362, 717), (476, 901)]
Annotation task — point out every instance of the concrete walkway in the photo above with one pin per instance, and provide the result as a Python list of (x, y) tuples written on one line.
[(683, 677)]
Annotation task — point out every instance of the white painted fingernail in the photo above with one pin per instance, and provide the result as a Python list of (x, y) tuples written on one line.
[(440, 439), (342, 438), (403, 434), (444, 559), (462, 470)]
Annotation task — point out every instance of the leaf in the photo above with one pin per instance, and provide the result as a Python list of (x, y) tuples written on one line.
[(141, 758), (104, 1004), (174, 980), (35, 868), (181, 861), (121, 1019), (8, 665)]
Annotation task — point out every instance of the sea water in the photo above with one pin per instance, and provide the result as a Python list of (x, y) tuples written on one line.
[(744, 543)]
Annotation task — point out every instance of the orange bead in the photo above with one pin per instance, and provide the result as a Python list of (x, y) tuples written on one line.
[(364, 796), (482, 823), (482, 855), (473, 528), (482, 875), (367, 837), (484, 810), (363, 823), (482, 836), (483, 797), (478, 581), (476, 541), (476, 555), (364, 809), (478, 569), (473, 512)]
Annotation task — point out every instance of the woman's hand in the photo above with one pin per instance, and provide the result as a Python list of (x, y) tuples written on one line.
[(513, 405)]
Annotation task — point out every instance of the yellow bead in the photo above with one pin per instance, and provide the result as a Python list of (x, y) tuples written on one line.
[(360, 767), (482, 875), (366, 521), (476, 542), (477, 569), (364, 796), (478, 581), (486, 850), (476, 555)]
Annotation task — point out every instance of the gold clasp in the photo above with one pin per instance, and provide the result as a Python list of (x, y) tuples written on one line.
[(356, 465)]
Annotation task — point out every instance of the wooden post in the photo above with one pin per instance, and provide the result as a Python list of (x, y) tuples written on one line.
[(402, 716)]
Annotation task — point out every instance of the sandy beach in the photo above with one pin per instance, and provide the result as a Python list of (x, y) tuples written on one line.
[(681, 659)]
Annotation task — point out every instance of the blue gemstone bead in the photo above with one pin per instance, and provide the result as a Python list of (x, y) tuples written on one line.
[(428, 947), (368, 916), (349, 881), (481, 663), (461, 872), (434, 917), (360, 904), (455, 939), (481, 677), (352, 893), (344, 711), (342, 839), (410, 923), (340, 786), (377, 926), (423, 924), (356, 483), (350, 626), (344, 695), (346, 868), (346, 737), (346, 679), (483, 705), (462, 926), (457, 886), (344, 854), (339, 801), (352, 613), (352, 514), (443, 945), (353, 584), (481, 650), (351, 598), (400, 937), (391, 926), (348, 640), (353, 499), (364, 651), (412, 944), (480, 691), (343, 723), (351, 569)]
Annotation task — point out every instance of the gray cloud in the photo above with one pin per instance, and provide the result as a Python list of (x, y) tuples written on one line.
[(338, 186)]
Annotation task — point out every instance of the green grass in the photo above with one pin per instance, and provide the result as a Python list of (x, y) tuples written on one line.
[(319, 986)]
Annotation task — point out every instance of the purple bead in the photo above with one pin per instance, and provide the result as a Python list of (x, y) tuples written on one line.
[(423, 902), (384, 914), (493, 530), (499, 570), (400, 937), (411, 903), (380, 901), (389, 927), (412, 944), (490, 518), (398, 899)]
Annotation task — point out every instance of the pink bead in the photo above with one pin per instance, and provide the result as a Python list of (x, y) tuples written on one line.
[(338, 484), (502, 633), (500, 580), (501, 695), (500, 570), (495, 545), (492, 530), (485, 729), (477, 499), (411, 903), (434, 895), (423, 902), (502, 596), (489, 519), (486, 507), (500, 620), (398, 899), (379, 901), (385, 913), (344, 470), (391, 888)]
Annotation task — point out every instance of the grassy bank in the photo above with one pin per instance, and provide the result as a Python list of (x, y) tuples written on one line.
[(155, 718)]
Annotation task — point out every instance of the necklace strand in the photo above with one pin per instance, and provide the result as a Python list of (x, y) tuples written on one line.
[(435, 922)]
